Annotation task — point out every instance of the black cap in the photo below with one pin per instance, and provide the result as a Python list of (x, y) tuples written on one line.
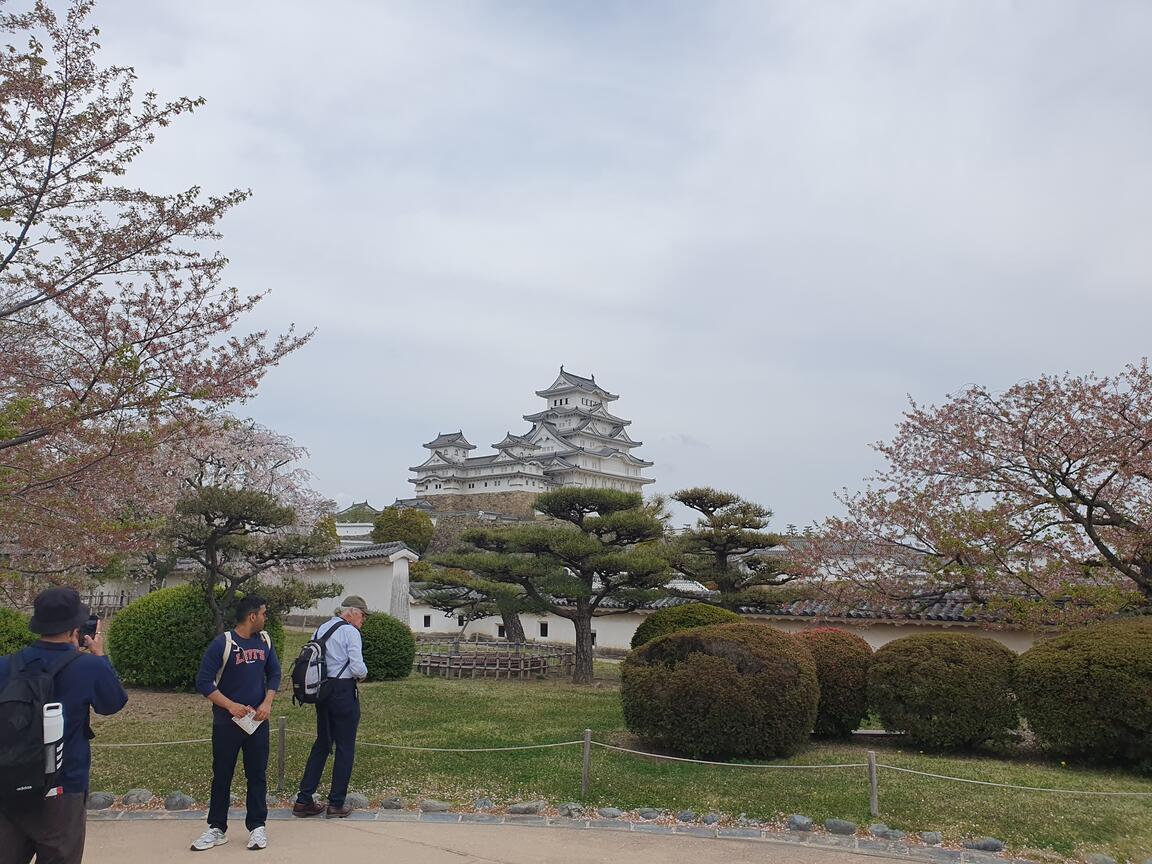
[(57, 610)]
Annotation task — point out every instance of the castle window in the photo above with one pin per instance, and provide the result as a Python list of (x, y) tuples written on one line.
[(543, 629), (427, 620), (460, 622), (500, 632)]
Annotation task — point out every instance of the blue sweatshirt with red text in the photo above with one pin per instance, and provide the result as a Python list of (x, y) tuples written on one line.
[(252, 669)]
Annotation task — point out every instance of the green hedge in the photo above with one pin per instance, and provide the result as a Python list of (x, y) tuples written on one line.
[(389, 647), (159, 639), (842, 661), (1089, 692), (677, 618), (946, 690), (728, 690), (14, 632)]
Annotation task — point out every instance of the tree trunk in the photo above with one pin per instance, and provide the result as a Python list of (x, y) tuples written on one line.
[(582, 672), (513, 628)]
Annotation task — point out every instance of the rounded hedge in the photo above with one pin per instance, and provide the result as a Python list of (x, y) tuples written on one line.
[(842, 661), (14, 632), (945, 690), (677, 618), (158, 640), (728, 690), (389, 647), (1089, 692)]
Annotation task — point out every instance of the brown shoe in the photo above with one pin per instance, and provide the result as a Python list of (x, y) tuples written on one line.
[(314, 808), (338, 812)]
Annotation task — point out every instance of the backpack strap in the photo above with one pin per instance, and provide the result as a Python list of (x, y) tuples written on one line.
[(19, 662), (229, 645), (323, 639), (267, 639)]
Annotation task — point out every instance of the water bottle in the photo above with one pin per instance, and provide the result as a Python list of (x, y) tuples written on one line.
[(53, 737)]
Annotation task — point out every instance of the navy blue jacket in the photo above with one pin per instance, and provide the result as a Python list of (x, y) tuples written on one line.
[(89, 682), (249, 674)]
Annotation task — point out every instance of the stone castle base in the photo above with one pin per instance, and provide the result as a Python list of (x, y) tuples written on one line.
[(510, 503)]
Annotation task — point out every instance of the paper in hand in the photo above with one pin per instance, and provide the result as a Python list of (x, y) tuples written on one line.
[(248, 722)]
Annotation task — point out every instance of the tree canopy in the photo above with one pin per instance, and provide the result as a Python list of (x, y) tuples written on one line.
[(600, 545), (1034, 503), (413, 528), (115, 325)]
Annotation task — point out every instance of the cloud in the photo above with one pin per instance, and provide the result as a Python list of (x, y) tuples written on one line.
[(763, 224)]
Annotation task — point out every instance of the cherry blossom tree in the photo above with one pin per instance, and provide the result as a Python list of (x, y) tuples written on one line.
[(115, 325), (246, 512), (1034, 504)]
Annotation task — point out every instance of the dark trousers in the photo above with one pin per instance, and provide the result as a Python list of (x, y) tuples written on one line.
[(52, 830), (229, 740), (337, 716)]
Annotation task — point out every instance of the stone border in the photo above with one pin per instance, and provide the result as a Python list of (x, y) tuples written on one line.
[(857, 844)]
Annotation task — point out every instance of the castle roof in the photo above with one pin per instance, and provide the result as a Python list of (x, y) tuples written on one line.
[(450, 439), (566, 382), (511, 440)]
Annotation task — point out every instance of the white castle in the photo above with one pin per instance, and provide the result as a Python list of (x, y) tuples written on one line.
[(574, 441)]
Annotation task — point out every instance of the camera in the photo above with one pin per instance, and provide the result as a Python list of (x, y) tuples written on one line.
[(89, 629)]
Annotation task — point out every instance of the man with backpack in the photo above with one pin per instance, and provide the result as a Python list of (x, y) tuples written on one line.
[(49, 822), (239, 675), (337, 707)]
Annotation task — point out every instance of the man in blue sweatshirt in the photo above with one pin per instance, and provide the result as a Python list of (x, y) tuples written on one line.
[(239, 675), (53, 829)]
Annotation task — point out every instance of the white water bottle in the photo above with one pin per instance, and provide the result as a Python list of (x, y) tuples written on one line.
[(53, 737)]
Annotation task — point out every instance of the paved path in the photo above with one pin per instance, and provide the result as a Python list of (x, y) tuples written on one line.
[(319, 841)]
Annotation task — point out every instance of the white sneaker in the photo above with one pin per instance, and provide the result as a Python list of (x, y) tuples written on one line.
[(258, 839), (211, 837)]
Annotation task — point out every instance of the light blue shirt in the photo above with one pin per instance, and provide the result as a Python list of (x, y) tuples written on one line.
[(344, 646)]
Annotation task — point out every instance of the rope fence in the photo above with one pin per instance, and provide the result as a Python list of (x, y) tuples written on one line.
[(587, 743)]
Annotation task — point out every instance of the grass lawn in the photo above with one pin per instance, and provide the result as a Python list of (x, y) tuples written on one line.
[(430, 712)]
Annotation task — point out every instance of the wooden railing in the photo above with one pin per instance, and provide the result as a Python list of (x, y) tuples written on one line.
[(455, 659), (106, 603)]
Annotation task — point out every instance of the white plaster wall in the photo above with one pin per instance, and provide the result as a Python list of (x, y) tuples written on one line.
[(615, 631)]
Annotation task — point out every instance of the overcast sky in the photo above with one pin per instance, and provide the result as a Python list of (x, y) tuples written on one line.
[(763, 224)]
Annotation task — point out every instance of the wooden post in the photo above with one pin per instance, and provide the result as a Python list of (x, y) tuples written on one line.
[(873, 785), (584, 775), (280, 752)]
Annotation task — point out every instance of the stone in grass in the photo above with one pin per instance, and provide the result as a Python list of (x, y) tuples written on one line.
[(137, 798), (879, 829), (840, 826), (649, 813), (571, 809), (393, 803), (1099, 858), (483, 804), (525, 808), (796, 822), (610, 812), (984, 844), (178, 801), (685, 816), (431, 805), (710, 818), (273, 801), (357, 801), (931, 838), (101, 800)]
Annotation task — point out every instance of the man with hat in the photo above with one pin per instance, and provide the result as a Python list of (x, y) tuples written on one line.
[(52, 828), (337, 712)]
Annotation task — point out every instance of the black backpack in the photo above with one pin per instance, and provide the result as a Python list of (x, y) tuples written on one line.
[(310, 669), (23, 758)]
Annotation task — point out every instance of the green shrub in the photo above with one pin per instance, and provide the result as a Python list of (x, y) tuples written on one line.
[(842, 661), (677, 618), (389, 647), (14, 632), (1089, 692), (946, 690), (728, 690), (159, 639)]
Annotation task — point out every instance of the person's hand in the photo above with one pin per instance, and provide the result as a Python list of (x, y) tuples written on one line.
[(239, 711), (95, 644), (263, 711)]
